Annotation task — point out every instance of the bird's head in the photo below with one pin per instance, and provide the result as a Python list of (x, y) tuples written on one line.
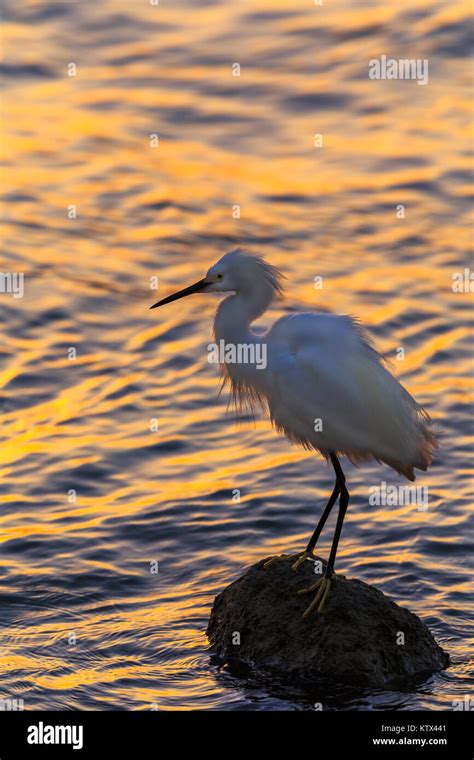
[(238, 271)]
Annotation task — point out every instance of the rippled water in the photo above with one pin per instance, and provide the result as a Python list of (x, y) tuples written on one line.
[(76, 567)]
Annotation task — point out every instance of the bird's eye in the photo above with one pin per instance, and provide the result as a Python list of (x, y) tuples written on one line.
[(219, 277)]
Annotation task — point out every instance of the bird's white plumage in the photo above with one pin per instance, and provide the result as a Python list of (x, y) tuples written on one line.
[(324, 374), (324, 385)]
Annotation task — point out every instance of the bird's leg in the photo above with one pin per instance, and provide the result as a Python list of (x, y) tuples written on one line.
[(324, 584), (343, 503), (309, 551)]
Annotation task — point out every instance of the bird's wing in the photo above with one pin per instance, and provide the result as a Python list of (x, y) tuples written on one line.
[(329, 389)]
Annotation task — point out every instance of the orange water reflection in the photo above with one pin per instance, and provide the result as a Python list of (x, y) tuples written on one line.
[(85, 424)]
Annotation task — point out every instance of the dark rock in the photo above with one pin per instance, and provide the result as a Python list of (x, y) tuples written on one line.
[(353, 641)]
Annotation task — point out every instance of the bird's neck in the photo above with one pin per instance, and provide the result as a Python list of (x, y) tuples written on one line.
[(235, 315), (232, 328)]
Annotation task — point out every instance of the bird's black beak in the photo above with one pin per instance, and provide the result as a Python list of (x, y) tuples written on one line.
[(196, 288)]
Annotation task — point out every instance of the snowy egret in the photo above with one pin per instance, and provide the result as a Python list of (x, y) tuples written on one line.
[(323, 385)]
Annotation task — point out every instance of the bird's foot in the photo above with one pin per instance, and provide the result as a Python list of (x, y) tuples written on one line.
[(278, 558), (300, 558), (323, 585)]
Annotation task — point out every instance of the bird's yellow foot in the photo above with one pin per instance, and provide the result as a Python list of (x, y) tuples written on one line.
[(323, 585), (300, 558), (278, 558)]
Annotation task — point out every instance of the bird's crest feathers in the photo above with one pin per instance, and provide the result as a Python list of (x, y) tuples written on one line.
[(255, 265)]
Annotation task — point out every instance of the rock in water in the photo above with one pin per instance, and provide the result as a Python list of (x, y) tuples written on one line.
[(361, 638)]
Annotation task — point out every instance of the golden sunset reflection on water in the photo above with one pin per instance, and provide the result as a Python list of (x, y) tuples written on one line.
[(91, 496)]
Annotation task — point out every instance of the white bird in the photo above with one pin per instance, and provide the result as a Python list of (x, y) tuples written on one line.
[(324, 386)]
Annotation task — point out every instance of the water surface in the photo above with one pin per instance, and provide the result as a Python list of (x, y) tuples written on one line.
[(93, 494)]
